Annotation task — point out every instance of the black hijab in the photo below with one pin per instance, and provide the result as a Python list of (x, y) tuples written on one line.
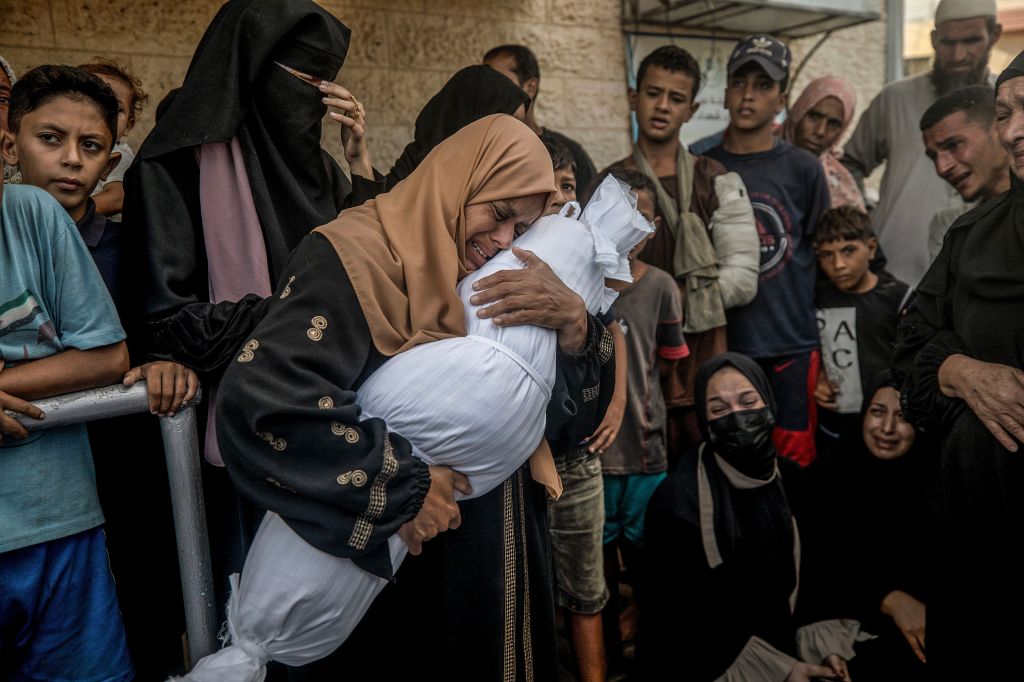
[(747, 367), (234, 88), (874, 509), (472, 93), (753, 526)]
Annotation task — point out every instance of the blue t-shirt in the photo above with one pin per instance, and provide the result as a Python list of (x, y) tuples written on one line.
[(51, 299), (789, 193)]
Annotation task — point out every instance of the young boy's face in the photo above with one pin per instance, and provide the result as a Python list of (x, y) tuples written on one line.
[(752, 98), (124, 104), (846, 262), (63, 147), (663, 102), (565, 190)]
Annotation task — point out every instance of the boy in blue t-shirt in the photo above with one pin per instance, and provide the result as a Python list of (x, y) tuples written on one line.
[(789, 193), (59, 332)]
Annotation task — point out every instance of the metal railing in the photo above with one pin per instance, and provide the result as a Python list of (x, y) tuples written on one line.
[(181, 451)]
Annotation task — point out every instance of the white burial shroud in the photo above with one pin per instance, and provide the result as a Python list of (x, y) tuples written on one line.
[(476, 404)]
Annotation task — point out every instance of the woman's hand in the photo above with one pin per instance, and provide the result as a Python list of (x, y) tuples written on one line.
[(533, 296), (805, 672), (169, 384), (995, 393), (909, 616), (8, 424), (352, 117), (439, 511), (839, 666)]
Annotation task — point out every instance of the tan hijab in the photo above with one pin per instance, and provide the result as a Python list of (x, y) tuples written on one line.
[(405, 251)]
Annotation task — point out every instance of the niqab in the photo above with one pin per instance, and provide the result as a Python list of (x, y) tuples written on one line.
[(233, 88)]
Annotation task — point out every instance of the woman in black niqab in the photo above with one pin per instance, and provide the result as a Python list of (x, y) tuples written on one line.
[(472, 93), (723, 547), (967, 323), (233, 89)]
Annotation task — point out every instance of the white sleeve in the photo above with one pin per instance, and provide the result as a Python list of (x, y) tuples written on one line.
[(737, 246), (759, 662), (818, 641)]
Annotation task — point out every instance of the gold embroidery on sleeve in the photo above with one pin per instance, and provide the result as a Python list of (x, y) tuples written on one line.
[(249, 350), (378, 498), (326, 403), (278, 444), (351, 435), (287, 288), (316, 332), (356, 478)]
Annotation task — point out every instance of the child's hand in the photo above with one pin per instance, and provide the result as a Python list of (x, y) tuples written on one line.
[(826, 393), (169, 384), (8, 424), (352, 117), (608, 430)]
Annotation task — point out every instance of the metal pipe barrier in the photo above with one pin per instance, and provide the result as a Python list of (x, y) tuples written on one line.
[(181, 450)]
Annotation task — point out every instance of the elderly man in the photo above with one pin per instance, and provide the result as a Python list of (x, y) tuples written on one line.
[(961, 140), (965, 31)]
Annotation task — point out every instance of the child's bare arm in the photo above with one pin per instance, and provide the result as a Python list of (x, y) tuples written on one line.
[(666, 367), (608, 430), (71, 370), (110, 201)]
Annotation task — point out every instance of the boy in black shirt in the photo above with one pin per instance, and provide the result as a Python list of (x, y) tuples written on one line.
[(858, 311)]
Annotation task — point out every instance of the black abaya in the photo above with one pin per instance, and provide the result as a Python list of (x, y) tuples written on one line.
[(233, 89), (970, 302)]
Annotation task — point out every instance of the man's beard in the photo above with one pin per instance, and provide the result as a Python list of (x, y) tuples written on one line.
[(948, 82)]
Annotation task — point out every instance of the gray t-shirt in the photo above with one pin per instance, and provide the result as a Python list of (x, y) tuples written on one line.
[(651, 318)]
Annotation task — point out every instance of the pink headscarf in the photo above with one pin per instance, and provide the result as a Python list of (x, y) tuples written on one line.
[(842, 187)]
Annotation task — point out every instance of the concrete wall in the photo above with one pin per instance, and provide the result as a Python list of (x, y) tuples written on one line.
[(402, 52)]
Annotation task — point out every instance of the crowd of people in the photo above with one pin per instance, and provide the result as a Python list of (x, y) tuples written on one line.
[(759, 428)]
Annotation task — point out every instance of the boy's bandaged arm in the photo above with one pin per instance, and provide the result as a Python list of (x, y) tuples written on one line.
[(736, 242)]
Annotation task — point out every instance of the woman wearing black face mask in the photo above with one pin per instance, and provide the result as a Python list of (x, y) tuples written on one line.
[(724, 549)]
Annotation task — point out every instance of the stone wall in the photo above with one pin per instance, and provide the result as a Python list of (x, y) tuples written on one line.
[(402, 51)]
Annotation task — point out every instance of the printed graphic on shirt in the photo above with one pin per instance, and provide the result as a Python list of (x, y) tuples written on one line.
[(838, 330), (23, 321), (775, 229)]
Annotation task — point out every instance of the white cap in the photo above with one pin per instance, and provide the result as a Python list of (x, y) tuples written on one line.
[(951, 10)]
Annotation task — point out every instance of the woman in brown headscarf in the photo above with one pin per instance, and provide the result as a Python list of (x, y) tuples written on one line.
[(380, 279)]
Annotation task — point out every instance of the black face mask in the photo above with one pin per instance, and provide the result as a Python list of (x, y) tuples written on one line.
[(744, 440)]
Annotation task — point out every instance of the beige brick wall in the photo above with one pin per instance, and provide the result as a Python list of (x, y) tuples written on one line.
[(402, 51)]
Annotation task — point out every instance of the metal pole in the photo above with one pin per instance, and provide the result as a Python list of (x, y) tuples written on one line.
[(181, 450), (183, 474)]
